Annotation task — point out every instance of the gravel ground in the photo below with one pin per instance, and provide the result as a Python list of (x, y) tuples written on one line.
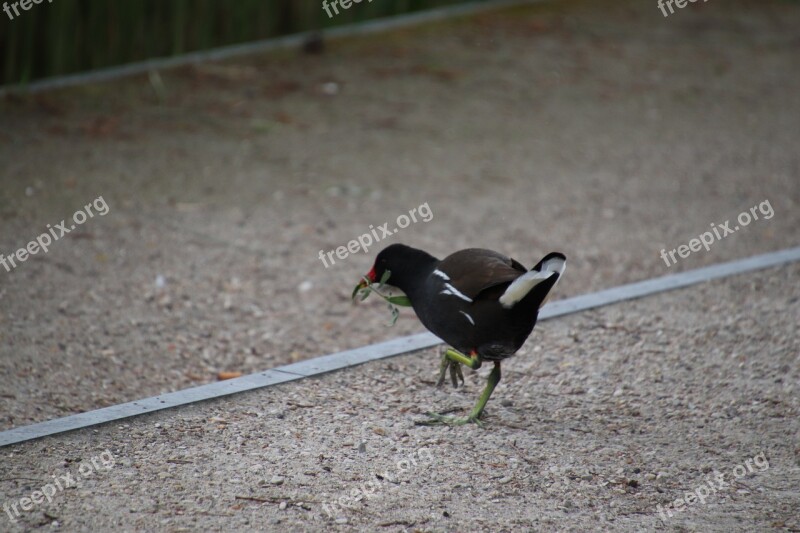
[(602, 417), (600, 129)]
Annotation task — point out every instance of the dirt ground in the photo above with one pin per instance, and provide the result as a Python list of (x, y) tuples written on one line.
[(600, 129)]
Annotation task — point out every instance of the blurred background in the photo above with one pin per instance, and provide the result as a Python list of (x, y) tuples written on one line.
[(69, 37), (604, 130)]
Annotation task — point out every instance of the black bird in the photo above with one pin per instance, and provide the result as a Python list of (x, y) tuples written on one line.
[(480, 302)]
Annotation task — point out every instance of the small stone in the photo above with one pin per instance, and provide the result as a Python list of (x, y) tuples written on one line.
[(330, 88), (282, 506), (276, 480), (305, 286)]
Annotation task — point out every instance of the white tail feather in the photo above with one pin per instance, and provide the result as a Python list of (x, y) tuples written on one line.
[(524, 284), (554, 264)]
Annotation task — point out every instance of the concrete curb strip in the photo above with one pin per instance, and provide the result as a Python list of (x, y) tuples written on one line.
[(383, 350)]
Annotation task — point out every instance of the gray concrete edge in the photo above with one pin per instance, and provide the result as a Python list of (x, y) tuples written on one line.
[(392, 348)]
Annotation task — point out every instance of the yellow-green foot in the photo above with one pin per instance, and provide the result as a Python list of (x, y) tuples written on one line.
[(453, 359), (474, 415), (449, 420), (455, 372)]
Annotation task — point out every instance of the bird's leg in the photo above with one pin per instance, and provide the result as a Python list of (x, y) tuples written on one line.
[(456, 374), (443, 368), (453, 359), (491, 383), (477, 411)]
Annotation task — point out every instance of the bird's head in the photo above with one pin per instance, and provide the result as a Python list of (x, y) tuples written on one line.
[(391, 268), (390, 259), (403, 263)]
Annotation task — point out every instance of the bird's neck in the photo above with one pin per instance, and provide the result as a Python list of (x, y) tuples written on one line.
[(410, 275)]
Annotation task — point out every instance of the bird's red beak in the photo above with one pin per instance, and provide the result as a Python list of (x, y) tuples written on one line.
[(363, 283)]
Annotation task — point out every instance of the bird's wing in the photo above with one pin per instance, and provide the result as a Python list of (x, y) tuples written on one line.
[(474, 270)]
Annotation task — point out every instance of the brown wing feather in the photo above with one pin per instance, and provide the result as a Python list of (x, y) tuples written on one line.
[(474, 270)]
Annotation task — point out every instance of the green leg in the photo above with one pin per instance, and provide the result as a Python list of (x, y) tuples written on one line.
[(477, 411), (455, 371), (453, 359), (456, 374)]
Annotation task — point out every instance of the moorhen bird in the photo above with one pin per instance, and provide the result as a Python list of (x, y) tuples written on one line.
[(480, 302)]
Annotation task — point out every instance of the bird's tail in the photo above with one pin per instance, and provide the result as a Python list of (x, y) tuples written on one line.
[(534, 286)]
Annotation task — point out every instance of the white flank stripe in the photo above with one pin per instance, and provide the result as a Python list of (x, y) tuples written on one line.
[(455, 292), (451, 293), (441, 275), (468, 317)]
